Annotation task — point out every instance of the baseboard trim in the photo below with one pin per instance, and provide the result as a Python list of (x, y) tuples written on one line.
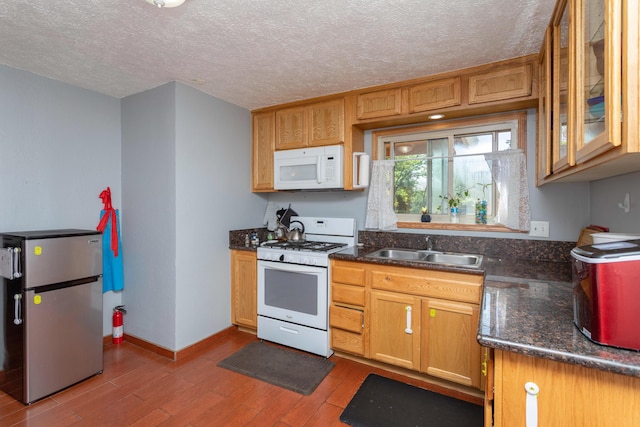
[(171, 354)]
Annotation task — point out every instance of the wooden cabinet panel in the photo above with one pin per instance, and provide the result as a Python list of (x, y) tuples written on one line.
[(349, 342), (395, 329), (380, 103), (351, 273), (348, 294), (244, 289), (433, 95), (346, 318), (430, 283), (507, 83), (262, 151), (327, 122), (291, 128), (570, 395), (458, 359)]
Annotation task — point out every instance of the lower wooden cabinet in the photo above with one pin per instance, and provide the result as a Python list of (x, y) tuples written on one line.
[(422, 320), (395, 329), (450, 350), (244, 303), (570, 395), (347, 308), (347, 329)]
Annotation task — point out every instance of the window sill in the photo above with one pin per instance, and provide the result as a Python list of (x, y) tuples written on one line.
[(459, 226)]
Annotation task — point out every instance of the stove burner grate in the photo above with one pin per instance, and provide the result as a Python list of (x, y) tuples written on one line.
[(306, 246)]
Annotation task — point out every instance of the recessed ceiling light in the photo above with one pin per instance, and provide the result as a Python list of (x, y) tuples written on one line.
[(166, 3), (436, 116)]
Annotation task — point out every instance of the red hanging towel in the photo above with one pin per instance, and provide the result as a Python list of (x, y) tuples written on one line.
[(109, 212)]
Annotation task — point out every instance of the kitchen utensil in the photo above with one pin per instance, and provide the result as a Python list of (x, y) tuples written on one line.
[(281, 231), (295, 234), (284, 215)]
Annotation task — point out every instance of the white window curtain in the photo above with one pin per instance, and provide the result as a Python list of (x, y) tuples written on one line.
[(380, 214), (509, 171)]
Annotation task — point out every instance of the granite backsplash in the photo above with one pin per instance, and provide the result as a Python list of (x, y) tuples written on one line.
[(538, 250)]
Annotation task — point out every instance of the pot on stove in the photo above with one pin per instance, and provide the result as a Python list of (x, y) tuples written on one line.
[(295, 234)]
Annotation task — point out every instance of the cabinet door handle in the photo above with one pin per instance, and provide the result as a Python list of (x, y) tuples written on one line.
[(532, 390), (408, 330)]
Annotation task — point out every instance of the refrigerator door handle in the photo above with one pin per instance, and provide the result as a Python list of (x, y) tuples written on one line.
[(10, 263), (17, 309)]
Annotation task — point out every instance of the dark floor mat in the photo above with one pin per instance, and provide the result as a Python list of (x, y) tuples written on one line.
[(299, 372), (382, 402)]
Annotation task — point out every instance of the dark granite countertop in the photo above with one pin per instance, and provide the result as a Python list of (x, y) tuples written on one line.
[(527, 308)]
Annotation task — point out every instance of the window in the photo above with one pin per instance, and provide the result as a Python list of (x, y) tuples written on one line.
[(442, 167)]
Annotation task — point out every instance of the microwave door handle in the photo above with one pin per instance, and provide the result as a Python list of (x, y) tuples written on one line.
[(320, 170)]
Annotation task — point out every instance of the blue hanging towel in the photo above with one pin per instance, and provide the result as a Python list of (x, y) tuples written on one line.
[(112, 272)]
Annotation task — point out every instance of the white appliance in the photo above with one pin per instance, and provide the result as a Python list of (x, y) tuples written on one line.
[(309, 168), (293, 284)]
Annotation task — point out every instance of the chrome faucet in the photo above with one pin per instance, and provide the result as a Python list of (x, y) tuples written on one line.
[(429, 242)]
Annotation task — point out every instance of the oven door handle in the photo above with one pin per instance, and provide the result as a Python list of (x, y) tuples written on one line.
[(290, 268)]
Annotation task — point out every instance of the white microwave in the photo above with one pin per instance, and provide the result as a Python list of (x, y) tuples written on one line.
[(309, 168)]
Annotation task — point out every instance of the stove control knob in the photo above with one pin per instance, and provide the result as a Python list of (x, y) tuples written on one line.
[(310, 261), (281, 258)]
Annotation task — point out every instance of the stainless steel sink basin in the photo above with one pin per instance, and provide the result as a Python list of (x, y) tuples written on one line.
[(429, 257), (402, 254), (455, 259)]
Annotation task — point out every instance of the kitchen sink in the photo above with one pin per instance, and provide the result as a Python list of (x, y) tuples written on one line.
[(429, 257)]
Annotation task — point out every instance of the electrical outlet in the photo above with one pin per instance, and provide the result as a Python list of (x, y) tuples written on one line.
[(539, 229)]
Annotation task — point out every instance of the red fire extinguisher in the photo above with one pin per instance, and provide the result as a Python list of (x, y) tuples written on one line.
[(118, 328)]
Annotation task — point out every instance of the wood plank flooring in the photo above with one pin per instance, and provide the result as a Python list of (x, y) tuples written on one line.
[(140, 388)]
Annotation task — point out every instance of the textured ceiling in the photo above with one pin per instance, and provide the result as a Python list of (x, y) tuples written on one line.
[(257, 53)]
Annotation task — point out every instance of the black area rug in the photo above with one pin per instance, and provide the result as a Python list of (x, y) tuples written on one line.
[(299, 372), (382, 402)]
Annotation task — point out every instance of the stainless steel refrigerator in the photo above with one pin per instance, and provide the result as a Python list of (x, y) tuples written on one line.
[(51, 336)]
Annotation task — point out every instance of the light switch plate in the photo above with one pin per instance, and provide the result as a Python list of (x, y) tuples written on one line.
[(539, 229)]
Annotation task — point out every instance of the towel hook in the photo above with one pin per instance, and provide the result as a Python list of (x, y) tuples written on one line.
[(625, 204)]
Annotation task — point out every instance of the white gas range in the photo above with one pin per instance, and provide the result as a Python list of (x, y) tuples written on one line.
[(293, 284)]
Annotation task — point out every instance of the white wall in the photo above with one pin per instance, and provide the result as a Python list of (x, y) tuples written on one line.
[(213, 182), (606, 194), (149, 220), (186, 160), (565, 206), (59, 148)]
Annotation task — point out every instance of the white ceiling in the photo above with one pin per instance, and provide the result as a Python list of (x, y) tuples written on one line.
[(257, 53)]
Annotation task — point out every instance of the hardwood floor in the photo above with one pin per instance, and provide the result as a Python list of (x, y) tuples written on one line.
[(141, 388)]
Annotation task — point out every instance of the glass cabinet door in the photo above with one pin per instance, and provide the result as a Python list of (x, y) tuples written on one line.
[(598, 78), (545, 111), (563, 152)]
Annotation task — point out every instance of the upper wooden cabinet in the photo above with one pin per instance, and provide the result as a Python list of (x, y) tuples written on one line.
[(316, 124), (264, 125), (479, 90), (381, 103), (592, 122), (545, 110), (343, 118), (434, 95), (512, 82)]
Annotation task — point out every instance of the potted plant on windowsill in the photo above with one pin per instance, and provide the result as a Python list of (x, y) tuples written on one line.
[(455, 202), (425, 217)]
